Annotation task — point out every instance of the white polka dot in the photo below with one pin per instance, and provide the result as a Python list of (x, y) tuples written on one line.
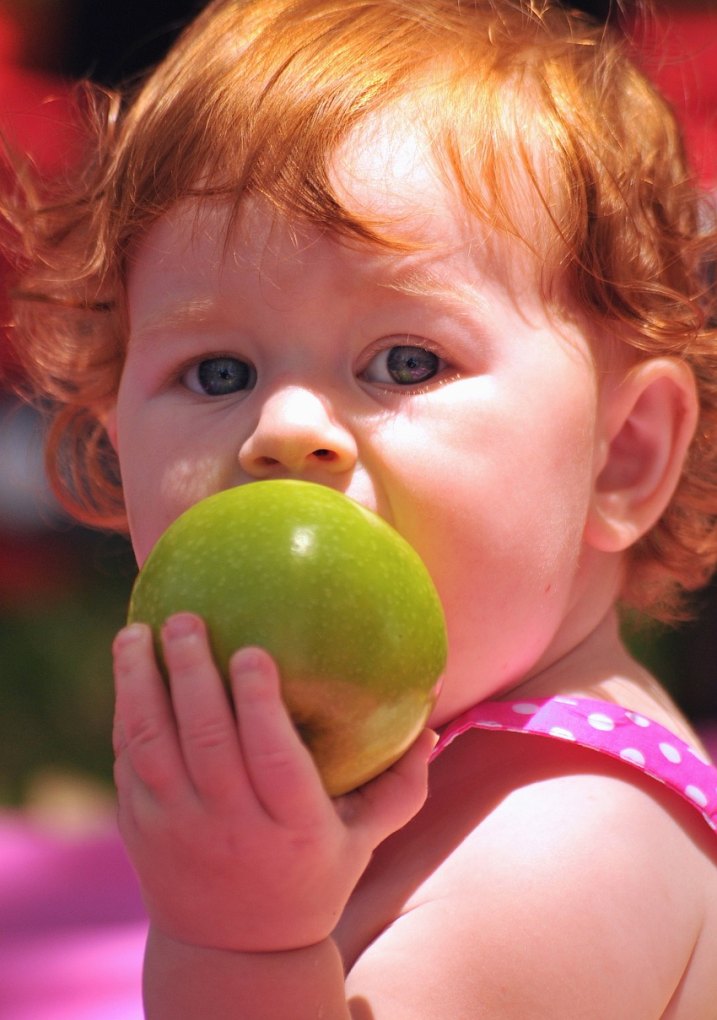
[(639, 720), (560, 731), (631, 754), (697, 795), (699, 755), (562, 700), (598, 721), (671, 753), (524, 708)]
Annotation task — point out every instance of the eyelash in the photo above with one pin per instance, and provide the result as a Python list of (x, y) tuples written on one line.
[(404, 363), (240, 375), (235, 370)]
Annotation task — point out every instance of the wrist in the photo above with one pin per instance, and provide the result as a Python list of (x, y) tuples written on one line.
[(183, 981)]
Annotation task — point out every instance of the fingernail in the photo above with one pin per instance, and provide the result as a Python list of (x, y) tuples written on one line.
[(129, 635), (179, 626), (246, 660)]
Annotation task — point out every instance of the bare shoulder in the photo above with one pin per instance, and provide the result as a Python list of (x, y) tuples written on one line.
[(544, 880)]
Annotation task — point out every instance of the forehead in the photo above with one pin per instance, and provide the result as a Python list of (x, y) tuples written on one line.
[(189, 267), (197, 255), (386, 175)]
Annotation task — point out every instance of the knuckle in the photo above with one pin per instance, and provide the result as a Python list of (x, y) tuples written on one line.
[(274, 761), (142, 753), (206, 734), (144, 733), (119, 741)]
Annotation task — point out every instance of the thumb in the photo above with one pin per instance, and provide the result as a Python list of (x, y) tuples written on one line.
[(392, 799)]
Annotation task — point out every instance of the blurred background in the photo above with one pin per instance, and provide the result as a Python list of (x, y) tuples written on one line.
[(63, 590)]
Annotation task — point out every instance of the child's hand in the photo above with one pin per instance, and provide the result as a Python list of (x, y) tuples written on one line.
[(236, 843)]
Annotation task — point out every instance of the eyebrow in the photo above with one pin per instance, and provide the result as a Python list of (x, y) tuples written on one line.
[(176, 315), (423, 281), (408, 276)]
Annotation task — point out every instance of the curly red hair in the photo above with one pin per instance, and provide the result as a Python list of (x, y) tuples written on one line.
[(521, 101)]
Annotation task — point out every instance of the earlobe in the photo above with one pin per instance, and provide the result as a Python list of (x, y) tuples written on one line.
[(647, 422)]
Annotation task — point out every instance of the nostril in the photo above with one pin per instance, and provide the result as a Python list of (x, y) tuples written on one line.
[(325, 454)]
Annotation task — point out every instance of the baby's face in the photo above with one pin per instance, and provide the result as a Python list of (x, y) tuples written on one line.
[(431, 387)]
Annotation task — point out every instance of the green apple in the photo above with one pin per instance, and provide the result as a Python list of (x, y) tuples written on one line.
[(342, 602)]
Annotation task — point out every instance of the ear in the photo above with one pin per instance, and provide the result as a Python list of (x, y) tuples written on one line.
[(647, 421)]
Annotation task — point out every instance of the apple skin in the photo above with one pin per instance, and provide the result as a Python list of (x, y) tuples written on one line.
[(341, 601)]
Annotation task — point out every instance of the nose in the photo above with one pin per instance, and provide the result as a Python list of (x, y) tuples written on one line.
[(296, 434)]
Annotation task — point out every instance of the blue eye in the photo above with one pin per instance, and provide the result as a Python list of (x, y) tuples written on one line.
[(217, 377), (404, 366)]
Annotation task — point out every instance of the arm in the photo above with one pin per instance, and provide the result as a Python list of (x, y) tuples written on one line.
[(244, 861), (530, 877), (565, 886), (183, 982)]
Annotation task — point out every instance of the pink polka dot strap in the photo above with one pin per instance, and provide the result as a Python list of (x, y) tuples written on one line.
[(602, 726)]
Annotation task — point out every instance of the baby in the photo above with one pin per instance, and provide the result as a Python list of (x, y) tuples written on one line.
[(446, 258)]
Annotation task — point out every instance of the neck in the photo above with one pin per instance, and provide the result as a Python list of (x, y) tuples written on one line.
[(601, 667), (595, 661)]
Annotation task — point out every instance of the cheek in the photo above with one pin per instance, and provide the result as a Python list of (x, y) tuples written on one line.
[(161, 481), (499, 525), (506, 585)]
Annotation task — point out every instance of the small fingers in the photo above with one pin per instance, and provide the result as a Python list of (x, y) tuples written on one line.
[(207, 728), (280, 768), (144, 735)]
